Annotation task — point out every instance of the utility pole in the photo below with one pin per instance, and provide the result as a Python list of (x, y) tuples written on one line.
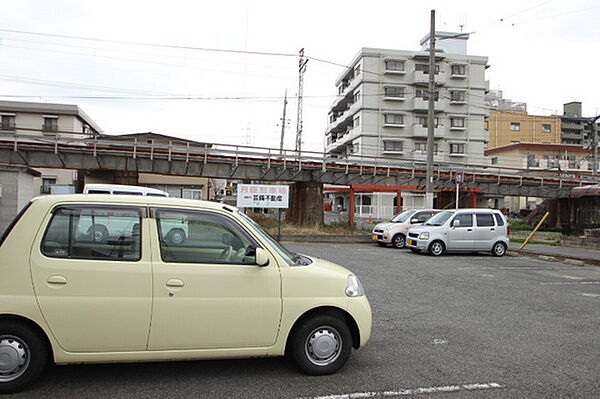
[(283, 123), (301, 69), (430, 114), (595, 145)]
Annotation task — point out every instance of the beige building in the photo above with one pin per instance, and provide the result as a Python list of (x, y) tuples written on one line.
[(513, 126), (552, 159), (43, 121)]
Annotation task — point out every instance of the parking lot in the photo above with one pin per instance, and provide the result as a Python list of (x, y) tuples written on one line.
[(459, 325)]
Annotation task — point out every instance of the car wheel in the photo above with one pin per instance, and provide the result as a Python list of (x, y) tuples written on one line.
[(399, 241), (415, 250), (98, 233), (176, 236), (436, 248), (499, 249), (321, 345), (381, 244), (23, 356)]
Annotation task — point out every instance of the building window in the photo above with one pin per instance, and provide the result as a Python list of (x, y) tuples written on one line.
[(356, 122), (551, 161), (394, 119), (353, 149), (394, 92), (46, 183), (546, 128), (486, 125), (457, 96), (7, 122), (459, 70), (395, 66), (422, 120), (457, 149), (356, 96), (495, 161), (424, 93), (457, 122), (425, 68), (357, 70), (421, 148), (393, 146), (515, 126), (50, 124)]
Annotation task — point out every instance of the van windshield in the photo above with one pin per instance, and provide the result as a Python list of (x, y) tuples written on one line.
[(402, 217), (439, 219)]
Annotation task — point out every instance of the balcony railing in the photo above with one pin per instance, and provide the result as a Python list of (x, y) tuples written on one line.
[(8, 126)]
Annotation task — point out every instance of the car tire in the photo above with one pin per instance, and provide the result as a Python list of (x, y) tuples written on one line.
[(24, 356), (98, 233), (499, 249), (381, 244), (399, 241), (321, 344), (176, 236), (436, 248)]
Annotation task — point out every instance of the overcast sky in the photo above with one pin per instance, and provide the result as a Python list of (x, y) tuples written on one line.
[(544, 53)]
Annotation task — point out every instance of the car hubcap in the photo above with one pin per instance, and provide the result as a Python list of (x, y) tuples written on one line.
[(98, 236), (14, 358), (436, 249), (499, 249), (399, 241), (323, 346), (177, 238)]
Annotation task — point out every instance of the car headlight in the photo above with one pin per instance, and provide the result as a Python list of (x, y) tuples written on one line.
[(354, 287), (424, 236)]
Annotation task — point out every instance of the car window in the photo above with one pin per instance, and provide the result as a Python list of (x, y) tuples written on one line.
[(465, 220), (499, 220), (92, 232), (189, 236), (484, 219), (422, 216)]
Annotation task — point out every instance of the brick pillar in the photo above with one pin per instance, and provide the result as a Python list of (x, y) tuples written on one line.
[(473, 199), (351, 207)]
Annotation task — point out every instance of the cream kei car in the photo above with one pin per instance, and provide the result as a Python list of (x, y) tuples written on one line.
[(228, 291)]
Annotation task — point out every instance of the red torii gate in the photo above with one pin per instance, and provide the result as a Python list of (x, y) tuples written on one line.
[(382, 188)]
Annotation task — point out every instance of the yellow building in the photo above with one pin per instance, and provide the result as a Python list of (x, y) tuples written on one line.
[(510, 127)]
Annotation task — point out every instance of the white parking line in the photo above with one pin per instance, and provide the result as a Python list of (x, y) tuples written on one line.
[(589, 295), (410, 391), (573, 282)]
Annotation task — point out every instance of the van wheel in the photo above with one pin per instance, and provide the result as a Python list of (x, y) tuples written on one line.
[(437, 248), (23, 356), (399, 240), (98, 233), (176, 236), (499, 249), (321, 345)]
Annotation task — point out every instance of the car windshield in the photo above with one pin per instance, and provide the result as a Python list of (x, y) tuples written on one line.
[(402, 216), (439, 219), (291, 258)]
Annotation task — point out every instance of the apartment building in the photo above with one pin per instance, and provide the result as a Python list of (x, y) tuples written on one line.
[(515, 126), (576, 129), (382, 101), (44, 121)]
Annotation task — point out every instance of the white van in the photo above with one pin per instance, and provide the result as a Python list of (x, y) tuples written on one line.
[(123, 190), (461, 230)]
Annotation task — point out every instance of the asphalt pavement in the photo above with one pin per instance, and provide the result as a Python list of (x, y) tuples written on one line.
[(456, 326)]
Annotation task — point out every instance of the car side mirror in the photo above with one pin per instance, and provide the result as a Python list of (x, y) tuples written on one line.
[(415, 221), (262, 257), (455, 223)]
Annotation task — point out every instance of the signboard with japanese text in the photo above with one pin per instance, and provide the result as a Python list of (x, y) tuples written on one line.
[(262, 196)]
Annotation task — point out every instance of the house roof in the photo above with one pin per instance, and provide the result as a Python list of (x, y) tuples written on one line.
[(152, 136), (536, 146), (46, 108)]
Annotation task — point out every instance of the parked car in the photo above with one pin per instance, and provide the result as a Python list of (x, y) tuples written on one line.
[(229, 290), (461, 230), (394, 231)]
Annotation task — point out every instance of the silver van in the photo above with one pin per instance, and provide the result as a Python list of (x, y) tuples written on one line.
[(461, 230)]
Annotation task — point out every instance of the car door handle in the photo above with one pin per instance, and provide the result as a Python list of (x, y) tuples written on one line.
[(492, 229), (469, 229), (57, 280), (174, 282)]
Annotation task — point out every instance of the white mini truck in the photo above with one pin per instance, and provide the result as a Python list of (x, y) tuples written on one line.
[(229, 290)]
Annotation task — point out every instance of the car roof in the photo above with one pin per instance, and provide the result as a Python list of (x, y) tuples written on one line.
[(50, 200)]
